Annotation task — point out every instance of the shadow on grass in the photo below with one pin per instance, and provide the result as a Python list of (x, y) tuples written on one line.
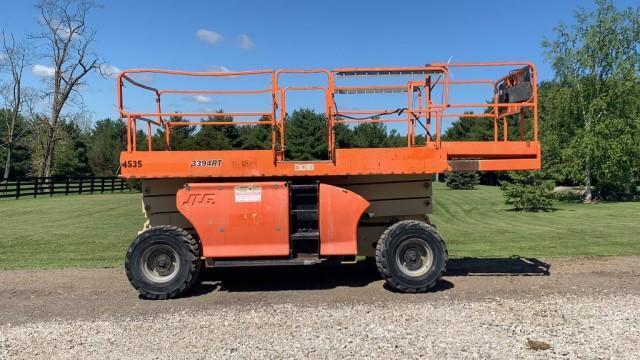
[(534, 211), (332, 275)]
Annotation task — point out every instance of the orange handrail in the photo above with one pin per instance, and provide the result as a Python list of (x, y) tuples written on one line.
[(418, 108)]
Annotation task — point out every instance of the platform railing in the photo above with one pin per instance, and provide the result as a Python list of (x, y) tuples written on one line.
[(420, 105)]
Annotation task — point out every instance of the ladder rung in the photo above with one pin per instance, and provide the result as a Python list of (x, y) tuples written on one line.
[(304, 186), (305, 235)]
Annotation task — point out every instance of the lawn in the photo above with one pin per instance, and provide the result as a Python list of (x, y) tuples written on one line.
[(477, 223), (68, 231), (95, 230)]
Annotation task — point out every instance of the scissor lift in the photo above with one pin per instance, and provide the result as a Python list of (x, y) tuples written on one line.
[(257, 207)]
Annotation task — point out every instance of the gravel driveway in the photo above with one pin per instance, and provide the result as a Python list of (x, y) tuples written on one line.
[(582, 309)]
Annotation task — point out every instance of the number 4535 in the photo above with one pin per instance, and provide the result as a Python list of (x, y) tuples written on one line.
[(132, 164)]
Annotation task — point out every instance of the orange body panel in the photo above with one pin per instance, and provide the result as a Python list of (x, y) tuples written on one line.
[(260, 163), (340, 211), (238, 219), (510, 155)]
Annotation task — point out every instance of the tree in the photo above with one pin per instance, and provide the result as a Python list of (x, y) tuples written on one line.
[(469, 129), (595, 106), (370, 135), (528, 190), (255, 137), (69, 40), (305, 135), (181, 137), (20, 154), (105, 145), (71, 156), (216, 137), (344, 136), (15, 56), (464, 180)]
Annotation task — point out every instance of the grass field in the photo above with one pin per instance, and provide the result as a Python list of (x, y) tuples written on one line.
[(95, 230)]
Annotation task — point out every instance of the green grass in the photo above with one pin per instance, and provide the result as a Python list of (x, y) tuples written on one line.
[(477, 223), (68, 231), (94, 231)]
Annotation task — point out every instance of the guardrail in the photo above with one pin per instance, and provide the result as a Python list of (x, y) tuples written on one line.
[(428, 102), (49, 186)]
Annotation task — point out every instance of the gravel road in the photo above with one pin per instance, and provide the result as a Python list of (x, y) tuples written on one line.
[(495, 308)]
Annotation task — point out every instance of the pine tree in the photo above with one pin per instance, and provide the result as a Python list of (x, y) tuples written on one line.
[(528, 190), (306, 136), (466, 180), (106, 142), (370, 135)]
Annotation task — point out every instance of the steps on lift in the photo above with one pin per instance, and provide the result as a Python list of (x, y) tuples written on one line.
[(305, 237)]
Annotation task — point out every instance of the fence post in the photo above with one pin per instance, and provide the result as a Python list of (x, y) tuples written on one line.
[(113, 184), (18, 189), (80, 187), (121, 185), (51, 186), (35, 187), (102, 185), (66, 185), (92, 184)]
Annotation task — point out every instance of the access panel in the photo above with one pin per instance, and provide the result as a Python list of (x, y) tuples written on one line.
[(238, 220)]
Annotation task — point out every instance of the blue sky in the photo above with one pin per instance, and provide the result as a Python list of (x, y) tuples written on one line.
[(242, 35)]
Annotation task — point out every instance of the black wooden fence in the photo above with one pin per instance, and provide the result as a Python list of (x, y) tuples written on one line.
[(49, 186)]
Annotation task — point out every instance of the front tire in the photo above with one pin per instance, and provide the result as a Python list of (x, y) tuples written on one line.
[(163, 262), (411, 256)]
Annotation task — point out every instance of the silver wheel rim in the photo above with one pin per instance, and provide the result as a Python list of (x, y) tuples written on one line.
[(414, 257), (160, 263)]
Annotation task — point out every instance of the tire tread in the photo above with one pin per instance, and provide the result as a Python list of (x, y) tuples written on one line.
[(382, 261), (186, 239)]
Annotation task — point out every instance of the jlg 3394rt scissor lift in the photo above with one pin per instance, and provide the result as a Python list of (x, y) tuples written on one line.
[(257, 207)]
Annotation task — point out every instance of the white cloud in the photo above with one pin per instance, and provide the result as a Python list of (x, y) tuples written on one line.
[(245, 42), (142, 77), (217, 68), (212, 37), (65, 32), (202, 99), (110, 70), (43, 70)]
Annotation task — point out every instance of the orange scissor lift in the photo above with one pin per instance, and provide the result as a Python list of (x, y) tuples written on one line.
[(219, 208)]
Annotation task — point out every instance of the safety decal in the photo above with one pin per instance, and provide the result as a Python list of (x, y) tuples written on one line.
[(248, 193)]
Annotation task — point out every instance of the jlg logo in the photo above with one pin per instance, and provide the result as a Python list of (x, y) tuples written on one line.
[(199, 200)]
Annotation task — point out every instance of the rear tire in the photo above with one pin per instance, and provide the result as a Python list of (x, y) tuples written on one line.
[(163, 262), (411, 256)]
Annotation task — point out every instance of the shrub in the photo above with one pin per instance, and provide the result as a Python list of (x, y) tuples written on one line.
[(528, 190), (568, 195), (462, 180)]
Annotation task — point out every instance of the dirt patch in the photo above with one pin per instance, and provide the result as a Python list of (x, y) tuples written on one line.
[(38, 295), (483, 308)]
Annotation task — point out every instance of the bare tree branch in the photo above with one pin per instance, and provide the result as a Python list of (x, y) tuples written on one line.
[(69, 41), (16, 57)]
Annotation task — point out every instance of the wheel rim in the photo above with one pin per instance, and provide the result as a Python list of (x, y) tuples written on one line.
[(414, 257), (160, 263)]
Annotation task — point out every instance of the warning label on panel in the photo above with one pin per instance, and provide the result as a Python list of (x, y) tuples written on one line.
[(304, 167), (244, 193)]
